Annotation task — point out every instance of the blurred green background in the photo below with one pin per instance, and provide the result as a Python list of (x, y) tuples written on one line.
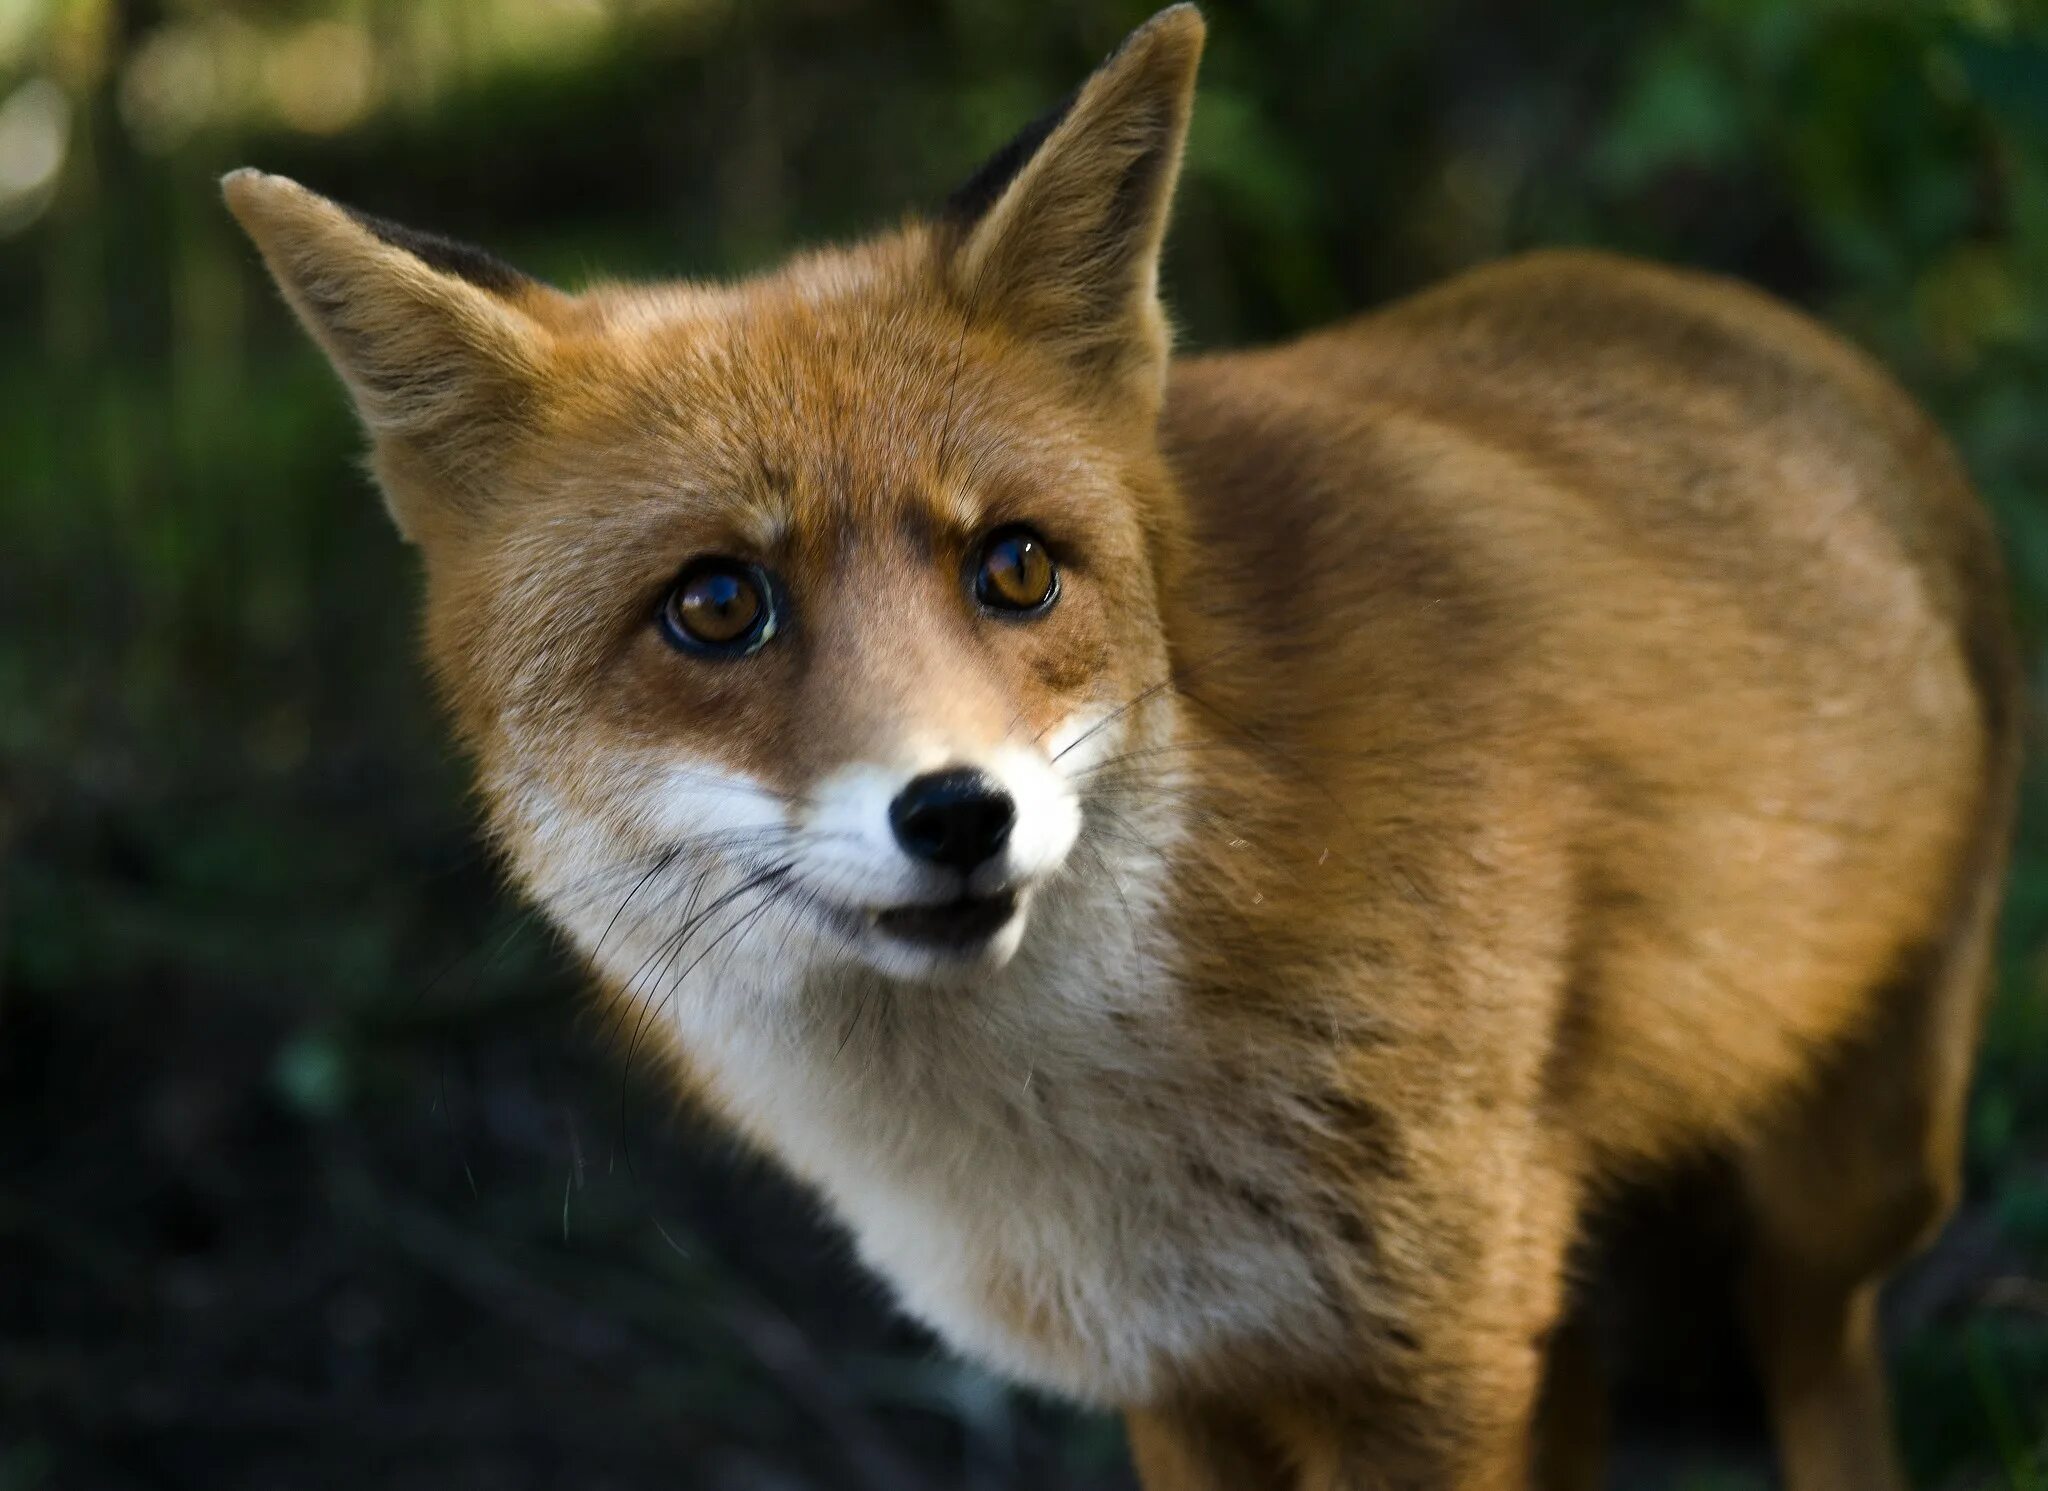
[(312, 1170)]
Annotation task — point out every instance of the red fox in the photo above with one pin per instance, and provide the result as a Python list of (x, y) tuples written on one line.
[(1214, 867)]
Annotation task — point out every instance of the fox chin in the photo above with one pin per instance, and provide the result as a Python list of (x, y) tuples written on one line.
[(1212, 867)]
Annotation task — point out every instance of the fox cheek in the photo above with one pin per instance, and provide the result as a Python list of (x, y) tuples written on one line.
[(1048, 811)]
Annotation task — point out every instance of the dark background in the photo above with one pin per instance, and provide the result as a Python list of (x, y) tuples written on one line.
[(312, 1171)]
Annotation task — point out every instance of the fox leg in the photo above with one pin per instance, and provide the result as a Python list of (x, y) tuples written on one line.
[(1848, 1185), (1354, 1441), (1824, 1377), (1456, 1412), (1834, 1208), (1205, 1448), (1573, 1415), (1367, 1443)]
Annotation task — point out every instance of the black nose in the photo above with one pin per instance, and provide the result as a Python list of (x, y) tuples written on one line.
[(956, 818)]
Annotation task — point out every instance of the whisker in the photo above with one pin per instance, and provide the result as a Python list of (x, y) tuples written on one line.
[(1174, 678), (1116, 881), (670, 946), (650, 1007), (659, 865)]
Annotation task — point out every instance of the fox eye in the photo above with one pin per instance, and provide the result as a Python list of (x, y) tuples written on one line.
[(1015, 573), (719, 607)]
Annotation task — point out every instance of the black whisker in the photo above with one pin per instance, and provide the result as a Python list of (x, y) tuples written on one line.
[(658, 866)]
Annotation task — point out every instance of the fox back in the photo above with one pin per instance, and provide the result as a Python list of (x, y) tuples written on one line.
[(1214, 867)]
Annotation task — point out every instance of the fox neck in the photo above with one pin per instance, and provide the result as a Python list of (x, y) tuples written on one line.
[(1067, 1081), (1067, 1084)]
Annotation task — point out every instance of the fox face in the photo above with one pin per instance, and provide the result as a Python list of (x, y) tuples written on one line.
[(781, 621), (814, 599)]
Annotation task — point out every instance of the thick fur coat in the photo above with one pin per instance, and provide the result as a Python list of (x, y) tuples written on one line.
[(1476, 756)]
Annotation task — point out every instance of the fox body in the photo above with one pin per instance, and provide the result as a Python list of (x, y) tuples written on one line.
[(1215, 867)]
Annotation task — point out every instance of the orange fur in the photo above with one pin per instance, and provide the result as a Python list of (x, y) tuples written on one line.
[(1506, 745)]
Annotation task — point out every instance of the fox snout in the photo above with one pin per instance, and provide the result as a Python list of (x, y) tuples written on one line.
[(958, 818), (931, 866)]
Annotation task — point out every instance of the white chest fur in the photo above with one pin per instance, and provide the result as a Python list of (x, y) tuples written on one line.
[(1033, 1162), (1038, 1163), (1039, 1160)]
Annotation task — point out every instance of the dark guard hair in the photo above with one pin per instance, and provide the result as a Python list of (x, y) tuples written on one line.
[(974, 196), (465, 261)]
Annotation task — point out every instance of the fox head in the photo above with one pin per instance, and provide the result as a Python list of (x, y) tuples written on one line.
[(812, 599)]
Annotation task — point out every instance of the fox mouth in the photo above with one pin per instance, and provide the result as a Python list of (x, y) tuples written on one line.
[(961, 926)]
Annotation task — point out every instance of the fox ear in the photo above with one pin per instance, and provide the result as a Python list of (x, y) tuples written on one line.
[(1059, 233), (429, 335)]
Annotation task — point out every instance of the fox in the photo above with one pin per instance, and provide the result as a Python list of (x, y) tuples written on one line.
[(1214, 869)]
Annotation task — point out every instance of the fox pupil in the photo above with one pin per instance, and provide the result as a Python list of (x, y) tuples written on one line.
[(720, 606), (1016, 573)]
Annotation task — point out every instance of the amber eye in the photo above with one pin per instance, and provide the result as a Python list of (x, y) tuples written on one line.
[(1015, 573), (719, 606)]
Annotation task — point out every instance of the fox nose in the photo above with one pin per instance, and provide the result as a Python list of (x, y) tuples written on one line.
[(957, 818)]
